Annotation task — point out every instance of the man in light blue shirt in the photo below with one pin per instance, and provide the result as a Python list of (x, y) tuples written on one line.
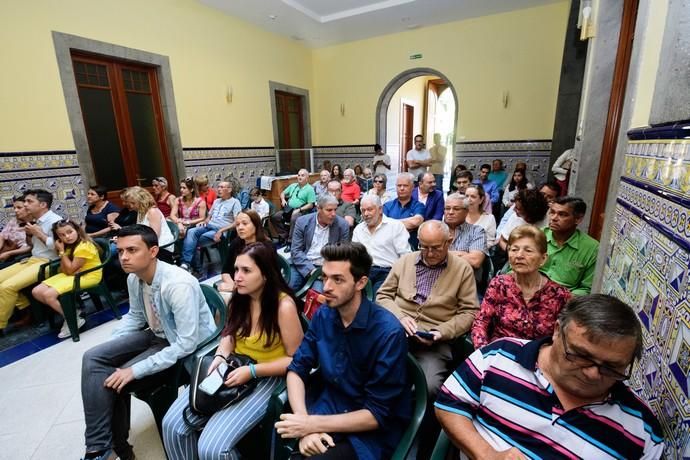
[(169, 301), (490, 188)]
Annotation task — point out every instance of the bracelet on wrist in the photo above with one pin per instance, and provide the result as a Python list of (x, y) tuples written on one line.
[(61, 254), (220, 356), (252, 370)]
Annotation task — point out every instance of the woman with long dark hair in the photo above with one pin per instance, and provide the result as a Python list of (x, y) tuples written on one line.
[(517, 182), (263, 323)]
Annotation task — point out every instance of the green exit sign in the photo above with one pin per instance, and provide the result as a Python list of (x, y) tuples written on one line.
[(415, 56)]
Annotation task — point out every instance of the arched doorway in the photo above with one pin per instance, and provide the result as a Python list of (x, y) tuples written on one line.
[(438, 97)]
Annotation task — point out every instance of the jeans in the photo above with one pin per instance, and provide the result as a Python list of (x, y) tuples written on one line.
[(191, 241), (297, 281), (106, 412), (377, 276)]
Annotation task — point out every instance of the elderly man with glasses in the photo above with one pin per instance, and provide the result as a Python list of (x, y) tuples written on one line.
[(561, 396)]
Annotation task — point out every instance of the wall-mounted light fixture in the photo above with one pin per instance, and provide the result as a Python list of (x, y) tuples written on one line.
[(228, 94), (585, 20), (505, 98), (342, 109)]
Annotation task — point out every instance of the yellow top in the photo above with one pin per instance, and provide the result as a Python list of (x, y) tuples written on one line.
[(253, 346)]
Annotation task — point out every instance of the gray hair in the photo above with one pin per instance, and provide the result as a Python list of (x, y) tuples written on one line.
[(436, 225), (382, 177), (371, 199), (349, 171), (303, 169), (603, 317), (458, 197), (406, 175), (325, 200)]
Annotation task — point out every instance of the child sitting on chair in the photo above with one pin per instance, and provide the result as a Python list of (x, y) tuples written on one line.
[(77, 253)]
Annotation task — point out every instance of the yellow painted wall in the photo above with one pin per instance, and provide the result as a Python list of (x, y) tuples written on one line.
[(208, 51), (520, 51)]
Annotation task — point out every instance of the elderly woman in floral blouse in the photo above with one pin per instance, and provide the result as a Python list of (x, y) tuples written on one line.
[(524, 303)]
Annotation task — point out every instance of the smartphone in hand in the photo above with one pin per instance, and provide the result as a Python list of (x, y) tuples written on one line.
[(424, 334), (214, 380)]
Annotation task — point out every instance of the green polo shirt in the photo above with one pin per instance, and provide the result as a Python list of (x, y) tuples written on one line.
[(572, 265), (297, 196)]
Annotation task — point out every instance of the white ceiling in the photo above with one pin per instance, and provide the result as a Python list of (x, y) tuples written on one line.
[(318, 23)]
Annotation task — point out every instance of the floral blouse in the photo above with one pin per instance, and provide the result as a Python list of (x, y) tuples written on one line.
[(504, 313)]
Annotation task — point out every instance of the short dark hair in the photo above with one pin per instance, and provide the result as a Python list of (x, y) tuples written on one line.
[(418, 135), (485, 166), (534, 205), (552, 185), (43, 196), (377, 147), (603, 317), (355, 253), (144, 231), (100, 190), (18, 198), (577, 205), (465, 175)]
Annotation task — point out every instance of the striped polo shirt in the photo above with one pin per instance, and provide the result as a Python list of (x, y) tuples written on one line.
[(512, 404)]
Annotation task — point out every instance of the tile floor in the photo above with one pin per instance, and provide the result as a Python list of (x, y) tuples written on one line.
[(42, 410)]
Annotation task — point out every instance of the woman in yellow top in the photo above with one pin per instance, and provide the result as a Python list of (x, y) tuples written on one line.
[(263, 323), (77, 253)]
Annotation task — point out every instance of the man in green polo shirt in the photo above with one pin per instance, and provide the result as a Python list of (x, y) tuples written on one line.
[(572, 253), (299, 196)]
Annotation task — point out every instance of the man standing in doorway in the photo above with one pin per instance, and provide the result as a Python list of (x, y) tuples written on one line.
[(438, 160), (418, 159)]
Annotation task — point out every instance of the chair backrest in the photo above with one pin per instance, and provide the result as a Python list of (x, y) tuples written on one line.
[(175, 230), (443, 445), (487, 273), (416, 376), (103, 249), (285, 269), (217, 306)]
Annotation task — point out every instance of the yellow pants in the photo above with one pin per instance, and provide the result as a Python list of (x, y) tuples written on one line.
[(13, 279)]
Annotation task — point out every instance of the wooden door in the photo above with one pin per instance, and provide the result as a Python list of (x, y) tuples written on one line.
[(124, 123), (406, 134), (290, 131)]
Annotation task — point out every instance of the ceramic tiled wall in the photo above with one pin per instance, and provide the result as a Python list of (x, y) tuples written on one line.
[(534, 153)]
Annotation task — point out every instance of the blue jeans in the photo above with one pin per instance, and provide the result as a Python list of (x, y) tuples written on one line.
[(297, 281), (192, 238), (377, 275)]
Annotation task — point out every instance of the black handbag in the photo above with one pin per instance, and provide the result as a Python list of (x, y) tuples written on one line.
[(287, 213), (201, 403)]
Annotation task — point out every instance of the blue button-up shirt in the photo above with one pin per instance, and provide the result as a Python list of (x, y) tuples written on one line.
[(363, 366), (395, 210), (490, 188)]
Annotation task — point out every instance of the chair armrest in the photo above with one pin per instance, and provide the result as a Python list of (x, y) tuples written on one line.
[(308, 284), (53, 265)]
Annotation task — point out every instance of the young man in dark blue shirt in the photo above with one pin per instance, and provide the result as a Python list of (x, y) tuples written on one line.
[(365, 403)]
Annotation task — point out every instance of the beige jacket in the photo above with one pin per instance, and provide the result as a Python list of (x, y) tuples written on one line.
[(452, 305)]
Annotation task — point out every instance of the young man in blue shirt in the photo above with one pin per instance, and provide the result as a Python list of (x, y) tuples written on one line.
[(364, 406)]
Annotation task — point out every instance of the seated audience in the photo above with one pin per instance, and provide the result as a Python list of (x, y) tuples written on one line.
[(249, 231), (77, 253), (366, 182), (430, 291), (524, 303), (18, 276), (164, 199), (299, 198), (258, 204), (321, 184), (337, 172), (359, 172), (550, 190), (561, 396), (454, 177), (189, 209), (386, 239), (238, 191), (140, 200), (263, 323), (427, 194), (379, 189), (351, 190), (405, 209), (345, 209), (13, 237), (476, 197), (153, 336), (517, 182), (572, 253), (313, 232), (100, 213), (467, 240), (364, 405), (490, 188), (498, 174), (207, 193), (381, 161), (220, 219), (530, 208)]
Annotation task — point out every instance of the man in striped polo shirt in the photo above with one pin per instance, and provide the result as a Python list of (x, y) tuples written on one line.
[(557, 397)]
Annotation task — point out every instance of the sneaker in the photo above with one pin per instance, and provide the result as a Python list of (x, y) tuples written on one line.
[(105, 455), (64, 332)]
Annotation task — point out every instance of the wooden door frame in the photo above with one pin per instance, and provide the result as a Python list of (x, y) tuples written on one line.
[(403, 146), (65, 44)]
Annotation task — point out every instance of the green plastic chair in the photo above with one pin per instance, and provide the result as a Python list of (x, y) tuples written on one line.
[(70, 300), (161, 397), (368, 289), (442, 448), (285, 268)]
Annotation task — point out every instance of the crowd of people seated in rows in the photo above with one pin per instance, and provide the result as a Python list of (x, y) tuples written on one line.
[(526, 391)]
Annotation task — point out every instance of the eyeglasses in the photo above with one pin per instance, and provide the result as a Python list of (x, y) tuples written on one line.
[(378, 181), (583, 361), (437, 248)]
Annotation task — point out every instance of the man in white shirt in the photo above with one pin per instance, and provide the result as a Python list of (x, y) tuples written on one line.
[(386, 239), (381, 161), (418, 159)]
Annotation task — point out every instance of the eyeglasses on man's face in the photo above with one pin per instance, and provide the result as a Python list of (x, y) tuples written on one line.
[(583, 361), (433, 248)]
